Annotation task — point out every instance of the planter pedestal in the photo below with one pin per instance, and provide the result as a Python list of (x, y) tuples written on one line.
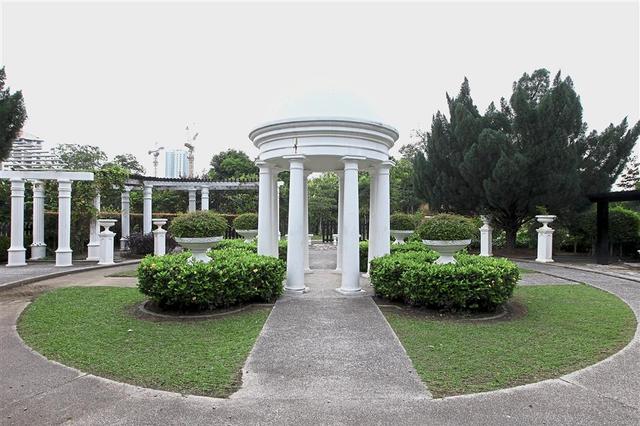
[(198, 247), (446, 249), (400, 235)]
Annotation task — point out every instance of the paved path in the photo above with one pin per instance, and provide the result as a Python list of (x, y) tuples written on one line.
[(328, 361)]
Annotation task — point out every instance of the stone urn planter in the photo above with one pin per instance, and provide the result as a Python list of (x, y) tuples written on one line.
[(248, 234), (400, 236), (198, 232), (447, 234), (198, 246), (446, 249), (246, 225), (402, 226)]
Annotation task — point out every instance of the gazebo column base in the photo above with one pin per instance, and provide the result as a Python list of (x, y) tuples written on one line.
[(38, 252), (357, 292), (64, 258), (16, 257), (296, 290)]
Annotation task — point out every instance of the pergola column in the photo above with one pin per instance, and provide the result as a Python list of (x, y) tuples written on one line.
[(350, 229), (340, 217), (383, 210), (373, 185), (204, 198), (305, 182), (265, 245), (17, 252), (64, 252), (192, 200), (296, 240), (147, 209), (93, 248), (38, 247), (125, 221), (275, 213)]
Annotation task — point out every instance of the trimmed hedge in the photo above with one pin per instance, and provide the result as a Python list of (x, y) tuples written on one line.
[(402, 222), (412, 247), (233, 277), (447, 227), (474, 283), (251, 246), (246, 221), (198, 224)]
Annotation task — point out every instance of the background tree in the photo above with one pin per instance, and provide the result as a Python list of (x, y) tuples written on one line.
[(631, 176), (128, 162), (533, 153), (80, 157), (232, 164), (12, 116)]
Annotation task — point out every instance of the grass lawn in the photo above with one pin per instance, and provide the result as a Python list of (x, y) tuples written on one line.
[(91, 329), (566, 328), (133, 273)]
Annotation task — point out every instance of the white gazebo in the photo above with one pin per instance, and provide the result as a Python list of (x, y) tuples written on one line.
[(344, 146)]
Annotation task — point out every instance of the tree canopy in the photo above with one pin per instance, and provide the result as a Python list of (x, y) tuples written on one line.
[(532, 153), (80, 157), (12, 116), (232, 164)]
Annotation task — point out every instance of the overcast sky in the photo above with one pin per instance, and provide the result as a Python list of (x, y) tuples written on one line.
[(125, 76)]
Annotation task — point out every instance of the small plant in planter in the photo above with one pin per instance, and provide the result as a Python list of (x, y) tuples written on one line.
[(447, 234), (402, 226), (198, 232), (246, 225)]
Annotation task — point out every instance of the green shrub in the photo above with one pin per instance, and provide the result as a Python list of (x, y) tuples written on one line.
[(473, 283), (246, 221), (403, 222), (447, 227), (234, 276), (412, 247), (236, 244), (5, 243), (198, 224)]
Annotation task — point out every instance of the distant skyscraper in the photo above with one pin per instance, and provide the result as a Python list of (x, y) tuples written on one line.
[(176, 163)]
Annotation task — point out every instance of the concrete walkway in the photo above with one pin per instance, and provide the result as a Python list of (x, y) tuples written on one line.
[(321, 359)]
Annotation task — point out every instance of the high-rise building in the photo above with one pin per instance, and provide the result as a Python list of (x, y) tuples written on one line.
[(27, 153), (176, 163)]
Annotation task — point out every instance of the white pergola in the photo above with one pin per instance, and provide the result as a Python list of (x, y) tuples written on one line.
[(17, 251), (308, 145), (147, 184)]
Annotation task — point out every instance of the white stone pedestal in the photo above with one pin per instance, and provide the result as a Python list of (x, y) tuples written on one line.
[(38, 247), (486, 237), (159, 237), (106, 242), (93, 248), (64, 252), (545, 239)]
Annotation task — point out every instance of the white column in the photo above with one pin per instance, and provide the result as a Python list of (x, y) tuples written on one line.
[(350, 229), (275, 215), (93, 248), (296, 239), (204, 198), (147, 194), (383, 210), (373, 185), (38, 247), (125, 207), (192, 200), (486, 236), (340, 216), (306, 221), (106, 242), (17, 252), (64, 252), (265, 246), (159, 237), (545, 239)]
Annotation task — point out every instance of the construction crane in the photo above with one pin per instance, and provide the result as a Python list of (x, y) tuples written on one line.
[(156, 154), (191, 148)]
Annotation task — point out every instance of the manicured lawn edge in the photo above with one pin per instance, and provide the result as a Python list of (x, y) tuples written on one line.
[(94, 329), (567, 328)]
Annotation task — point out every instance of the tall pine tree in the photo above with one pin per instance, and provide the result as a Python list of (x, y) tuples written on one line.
[(532, 152), (12, 116)]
